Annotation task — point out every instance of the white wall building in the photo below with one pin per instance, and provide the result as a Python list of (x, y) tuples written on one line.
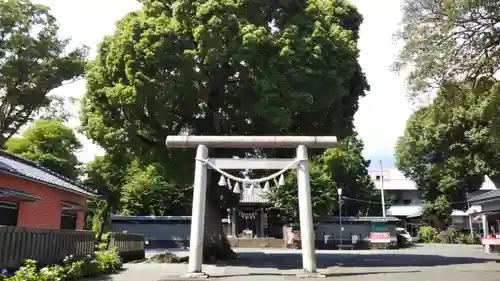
[(407, 202)]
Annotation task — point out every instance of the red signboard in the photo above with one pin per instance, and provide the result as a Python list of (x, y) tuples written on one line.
[(380, 237), (491, 241)]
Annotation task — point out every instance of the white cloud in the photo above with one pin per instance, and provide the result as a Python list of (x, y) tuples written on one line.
[(382, 114)]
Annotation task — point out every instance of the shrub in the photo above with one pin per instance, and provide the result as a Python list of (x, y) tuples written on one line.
[(70, 270), (448, 236), (55, 273), (91, 266), (26, 272), (465, 238), (428, 234), (103, 246), (109, 261)]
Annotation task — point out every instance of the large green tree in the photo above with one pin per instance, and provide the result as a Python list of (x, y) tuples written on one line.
[(50, 143), (448, 39), (449, 146), (223, 68), (33, 61), (341, 167)]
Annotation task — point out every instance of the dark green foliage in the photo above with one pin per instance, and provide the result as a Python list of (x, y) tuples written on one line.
[(449, 146)]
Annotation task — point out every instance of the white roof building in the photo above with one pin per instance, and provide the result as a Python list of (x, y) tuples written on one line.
[(395, 183), (395, 180)]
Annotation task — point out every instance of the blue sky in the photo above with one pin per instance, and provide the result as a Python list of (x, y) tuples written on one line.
[(382, 113)]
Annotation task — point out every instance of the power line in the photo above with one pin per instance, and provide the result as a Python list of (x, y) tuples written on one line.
[(379, 203), (360, 200)]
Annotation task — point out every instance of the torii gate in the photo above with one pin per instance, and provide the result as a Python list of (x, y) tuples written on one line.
[(301, 162)]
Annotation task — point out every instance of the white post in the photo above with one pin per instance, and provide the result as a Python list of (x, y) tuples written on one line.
[(305, 212), (229, 222), (233, 222), (198, 214), (261, 222), (339, 191), (486, 229), (469, 211), (382, 195)]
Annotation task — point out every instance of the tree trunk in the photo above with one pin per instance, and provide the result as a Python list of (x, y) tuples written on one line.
[(440, 222), (102, 221), (101, 230), (216, 247)]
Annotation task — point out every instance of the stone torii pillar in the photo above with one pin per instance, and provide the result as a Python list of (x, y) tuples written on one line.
[(301, 143)]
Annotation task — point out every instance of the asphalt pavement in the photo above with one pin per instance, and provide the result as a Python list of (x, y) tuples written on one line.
[(425, 262)]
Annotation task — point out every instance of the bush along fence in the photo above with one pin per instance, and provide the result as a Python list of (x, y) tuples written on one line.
[(71, 269), (429, 234), (45, 245), (67, 255), (128, 245)]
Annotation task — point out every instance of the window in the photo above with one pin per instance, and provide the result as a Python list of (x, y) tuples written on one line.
[(8, 213), (68, 220), (377, 178), (406, 201), (399, 196)]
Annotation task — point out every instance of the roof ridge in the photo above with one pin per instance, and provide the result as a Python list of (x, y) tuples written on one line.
[(484, 194), (37, 165)]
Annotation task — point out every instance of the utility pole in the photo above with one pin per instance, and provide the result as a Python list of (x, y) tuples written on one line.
[(339, 191), (382, 195), (470, 216)]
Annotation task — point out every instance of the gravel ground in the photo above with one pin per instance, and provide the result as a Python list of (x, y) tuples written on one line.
[(430, 262)]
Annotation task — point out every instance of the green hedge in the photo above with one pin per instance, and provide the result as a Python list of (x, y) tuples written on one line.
[(102, 262), (428, 234)]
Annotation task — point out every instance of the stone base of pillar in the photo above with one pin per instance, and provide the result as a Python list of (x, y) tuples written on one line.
[(487, 248), (307, 275), (191, 276)]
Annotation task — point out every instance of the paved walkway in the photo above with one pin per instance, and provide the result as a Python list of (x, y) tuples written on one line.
[(423, 263)]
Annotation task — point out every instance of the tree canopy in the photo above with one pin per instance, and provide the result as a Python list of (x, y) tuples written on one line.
[(448, 40), (341, 167), (50, 143), (449, 146), (223, 68), (33, 61)]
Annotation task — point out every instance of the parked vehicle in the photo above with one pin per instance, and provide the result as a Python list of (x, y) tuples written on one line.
[(404, 238)]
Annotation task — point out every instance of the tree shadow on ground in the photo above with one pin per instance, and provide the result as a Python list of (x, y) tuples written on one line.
[(99, 278), (344, 274), (325, 260)]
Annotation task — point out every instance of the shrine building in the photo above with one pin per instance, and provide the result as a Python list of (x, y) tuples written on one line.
[(250, 217)]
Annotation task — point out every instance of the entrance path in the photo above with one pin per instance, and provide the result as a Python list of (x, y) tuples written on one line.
[(431, 262)]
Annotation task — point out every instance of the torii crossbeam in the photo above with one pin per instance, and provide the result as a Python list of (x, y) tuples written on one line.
[(301, 143)]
